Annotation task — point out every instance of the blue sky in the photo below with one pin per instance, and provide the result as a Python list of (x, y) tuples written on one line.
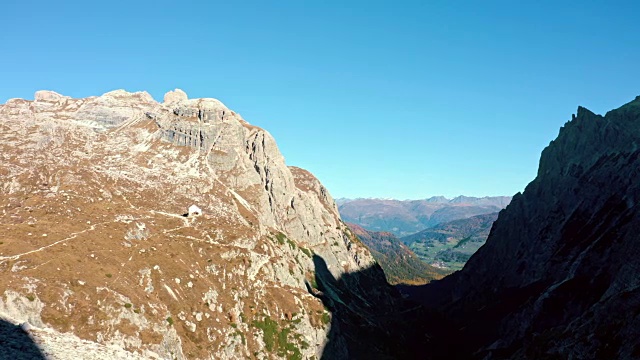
[(403, 99)]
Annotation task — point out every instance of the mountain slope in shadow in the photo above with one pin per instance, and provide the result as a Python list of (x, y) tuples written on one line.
[(559, 276), (16, 344), (372, 320)]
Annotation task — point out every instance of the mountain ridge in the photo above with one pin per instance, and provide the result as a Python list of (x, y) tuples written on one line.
[(406, 217), (435, 198)]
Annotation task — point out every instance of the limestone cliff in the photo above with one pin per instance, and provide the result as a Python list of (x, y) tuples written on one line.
[(95, 246)]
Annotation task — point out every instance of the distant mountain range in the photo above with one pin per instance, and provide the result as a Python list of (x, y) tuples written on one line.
[(399, 263), (406, 217), (449, 245)]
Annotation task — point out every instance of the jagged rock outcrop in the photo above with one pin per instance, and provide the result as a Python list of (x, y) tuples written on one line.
[(174, 96), (94, 246), (559, 274)]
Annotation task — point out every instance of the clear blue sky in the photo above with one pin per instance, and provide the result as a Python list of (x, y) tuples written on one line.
[(404, 99)]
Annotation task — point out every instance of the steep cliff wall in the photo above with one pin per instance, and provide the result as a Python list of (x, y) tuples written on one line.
[(558, 275)]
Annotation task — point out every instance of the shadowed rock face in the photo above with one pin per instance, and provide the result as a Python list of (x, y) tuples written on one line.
[(94, 247), (369, 321), (559, 274), (16, 343)]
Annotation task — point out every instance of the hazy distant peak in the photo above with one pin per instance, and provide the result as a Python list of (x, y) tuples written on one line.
[(460, 199), (404, 217), (437, 199)]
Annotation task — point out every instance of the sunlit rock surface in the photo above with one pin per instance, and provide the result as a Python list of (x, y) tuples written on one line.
[(95, 247)]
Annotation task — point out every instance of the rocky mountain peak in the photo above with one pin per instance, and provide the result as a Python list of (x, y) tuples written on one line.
[(97, 244), (176, 95), (586, 137), (124, 96), (49, 96)]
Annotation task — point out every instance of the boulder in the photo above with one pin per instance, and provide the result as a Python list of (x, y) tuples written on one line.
[(175, 96)]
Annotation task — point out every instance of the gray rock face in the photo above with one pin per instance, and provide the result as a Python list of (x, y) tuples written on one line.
[(558, 275), (146, 279)]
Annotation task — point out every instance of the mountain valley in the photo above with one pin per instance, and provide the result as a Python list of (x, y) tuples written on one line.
[(400, 264), (139, 229), (449, 245)]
